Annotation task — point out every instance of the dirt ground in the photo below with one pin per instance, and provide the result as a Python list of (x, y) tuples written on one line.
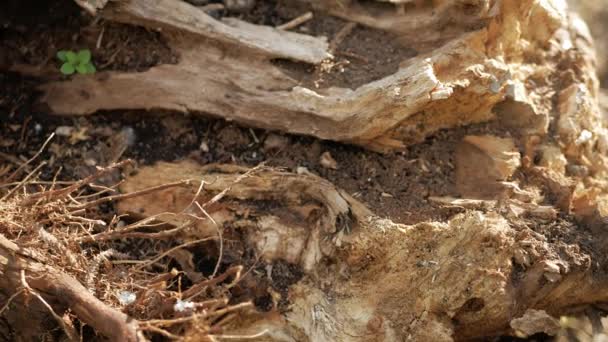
[(396, 186)]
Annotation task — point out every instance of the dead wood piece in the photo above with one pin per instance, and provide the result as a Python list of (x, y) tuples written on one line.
[(399, 282), (181, 16), (458, 78), (534, 322), (483, 163), (476, 269), (306, 214), (57, 287), (296, 21)]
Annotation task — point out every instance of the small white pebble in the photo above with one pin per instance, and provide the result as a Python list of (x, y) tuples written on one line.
[(126, 297), (204, 147), (327, 161), (37, 128), (64, 131), (129, 134), (90, 162), (301, 170), (181, 306), (583, 137)]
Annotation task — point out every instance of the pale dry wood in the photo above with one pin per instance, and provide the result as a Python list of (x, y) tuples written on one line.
[(437, 273), (296, 21), (307, 212), (458, 80), (483, 163), (183, 17)]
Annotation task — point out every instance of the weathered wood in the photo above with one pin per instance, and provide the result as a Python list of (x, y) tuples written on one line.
[(483, 163), (226, 71), (183, 17), (467, 278), (307, 212)]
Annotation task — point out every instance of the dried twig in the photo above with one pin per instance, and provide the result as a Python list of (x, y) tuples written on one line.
[(145, 263), (23, 182), (196, 289), (129, 231), (16, 172), (69, 330), (216, 199), (296, 21), (69, 189), (132, 194), (213, 313), (68, 291), (10, 299), (242, 337), (341, 35)]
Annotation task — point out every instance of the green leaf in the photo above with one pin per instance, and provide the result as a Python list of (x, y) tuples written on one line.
[(84, 56), (61, 55), (81, 68), (67, 69), (90, 68), (71, 57)]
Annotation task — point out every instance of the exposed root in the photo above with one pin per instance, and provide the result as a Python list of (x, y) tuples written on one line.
[(54, 250)]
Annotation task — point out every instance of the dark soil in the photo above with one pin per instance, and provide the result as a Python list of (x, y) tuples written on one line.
[(365, 55), (35, 40)]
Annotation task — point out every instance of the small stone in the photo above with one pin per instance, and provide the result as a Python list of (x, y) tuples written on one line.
[(181, 306), (126, 297), (327, 161), (275, 142), (239, 5), (90, 162), (64, 131), (580, 171), (584, 137), (233, 137), (129, 136), (204, 147), (301, 170)]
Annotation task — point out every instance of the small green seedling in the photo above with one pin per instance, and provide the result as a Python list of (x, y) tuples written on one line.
[(76, 62)]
